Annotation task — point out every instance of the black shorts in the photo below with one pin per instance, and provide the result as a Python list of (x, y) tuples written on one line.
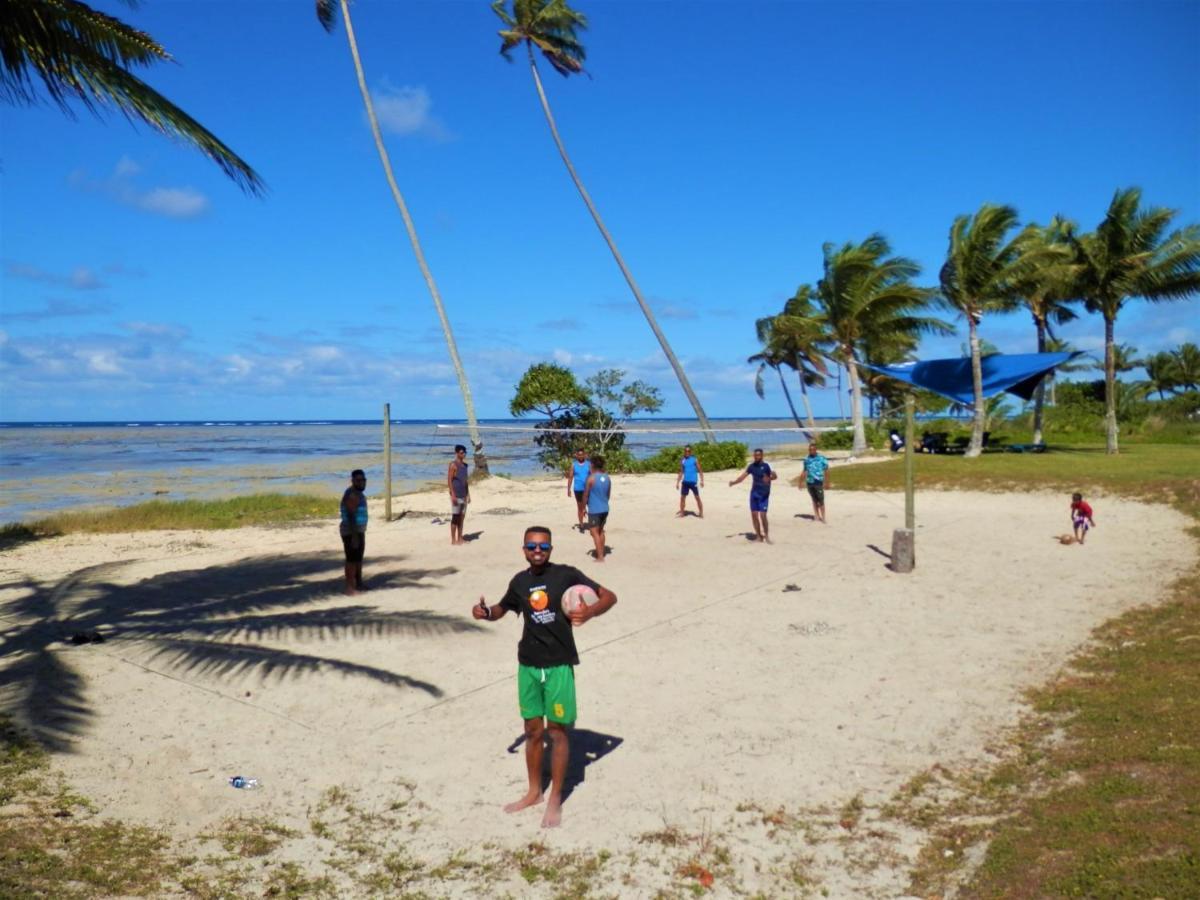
[(689, 486), (597, 520), (816, 490), (579, 496), (355, 545)]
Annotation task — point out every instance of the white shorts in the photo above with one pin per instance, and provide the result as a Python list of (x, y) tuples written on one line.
[(459, 506)]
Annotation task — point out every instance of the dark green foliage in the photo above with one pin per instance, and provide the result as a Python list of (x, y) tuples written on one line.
[(712, 457)]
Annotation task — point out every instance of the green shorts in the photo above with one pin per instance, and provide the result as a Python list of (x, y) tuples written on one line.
[(547, 692)]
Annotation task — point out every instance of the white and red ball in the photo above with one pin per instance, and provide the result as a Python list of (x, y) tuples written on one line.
[(577, 596)]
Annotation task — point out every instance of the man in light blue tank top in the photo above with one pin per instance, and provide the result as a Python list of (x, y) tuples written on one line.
[(577, 476), (596, 493), (353, 528), (690, 474)]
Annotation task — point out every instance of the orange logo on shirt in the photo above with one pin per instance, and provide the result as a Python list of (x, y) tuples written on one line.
[(539, 600)]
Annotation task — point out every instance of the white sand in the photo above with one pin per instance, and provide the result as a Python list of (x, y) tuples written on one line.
[(718, 689)]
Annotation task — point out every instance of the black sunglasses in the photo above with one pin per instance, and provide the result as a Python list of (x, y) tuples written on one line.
[(544, 546)]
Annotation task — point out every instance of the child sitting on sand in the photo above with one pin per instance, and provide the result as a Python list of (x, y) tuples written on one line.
[(1081, 517)]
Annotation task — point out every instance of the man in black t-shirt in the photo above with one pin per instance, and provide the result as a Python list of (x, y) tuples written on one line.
[(546, 657)]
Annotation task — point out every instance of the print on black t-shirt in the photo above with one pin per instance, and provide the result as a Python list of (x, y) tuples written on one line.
[(547, 639)]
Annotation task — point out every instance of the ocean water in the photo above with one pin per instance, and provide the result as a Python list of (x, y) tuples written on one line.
[(54, 465)]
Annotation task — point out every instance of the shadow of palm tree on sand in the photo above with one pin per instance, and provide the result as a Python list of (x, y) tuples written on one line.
[(207, 621)]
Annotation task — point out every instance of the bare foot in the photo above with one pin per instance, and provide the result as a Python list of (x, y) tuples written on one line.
[(350, 592), (766, 540), (528, 800), (680, 514), (553, 816)]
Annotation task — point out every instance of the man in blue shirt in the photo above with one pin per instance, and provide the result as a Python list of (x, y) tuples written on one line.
[(690, 473), (596, 493), (577, 476), (760, 493), (816, 479)]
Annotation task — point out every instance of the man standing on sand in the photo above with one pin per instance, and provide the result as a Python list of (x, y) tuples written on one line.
[(816, 479), (690, 471), (460, 494), (761, 477), (577, 476), (596, 493), (354, 529), (546, 658)]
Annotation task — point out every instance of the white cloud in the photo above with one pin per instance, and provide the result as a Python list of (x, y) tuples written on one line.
[(408, 110), (1181, 335), (171, 202), (175, 203), (81, 278)]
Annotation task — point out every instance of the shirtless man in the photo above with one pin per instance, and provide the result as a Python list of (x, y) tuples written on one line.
[(546, 658)]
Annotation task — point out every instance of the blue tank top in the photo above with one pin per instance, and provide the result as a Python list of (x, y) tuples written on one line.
[(580, 471), (360, 514), (598, 498), (460, 480), (689, 469)]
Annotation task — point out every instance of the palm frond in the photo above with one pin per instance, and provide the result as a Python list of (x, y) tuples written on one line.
[(219, 660), (327, 13), (318, 624)]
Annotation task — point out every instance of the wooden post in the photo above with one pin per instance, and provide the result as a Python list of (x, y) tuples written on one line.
[(910, 512), (904, 540), (387, 462)]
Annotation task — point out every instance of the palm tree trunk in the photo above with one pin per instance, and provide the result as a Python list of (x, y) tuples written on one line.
[(1110, 389), (788, 394), (841, 406), (856, 413), (612, 246), (1039, 398), (808, 413), (975, 448), (481, 463)]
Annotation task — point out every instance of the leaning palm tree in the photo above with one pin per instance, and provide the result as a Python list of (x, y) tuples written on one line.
[(1130, 254), (1048, 290), (82, 55), (326, 13), (551, 26), (863, 293), (982, 274), (794, 339)]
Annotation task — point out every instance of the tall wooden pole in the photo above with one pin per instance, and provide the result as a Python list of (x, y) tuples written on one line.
[(387, 462), (910, 492), (904, 540)]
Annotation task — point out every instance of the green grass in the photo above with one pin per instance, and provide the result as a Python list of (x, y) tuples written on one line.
[(1099, 793), (162, 515)]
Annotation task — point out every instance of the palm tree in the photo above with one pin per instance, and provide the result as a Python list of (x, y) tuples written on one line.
[(1125, 359), (551, 26), (326, 13), (1187, 365), (982, 274), (1048, 291), (865, 293), (793, 338), (1131, 255), (83, 55), (1061, 345), (1162, 372)]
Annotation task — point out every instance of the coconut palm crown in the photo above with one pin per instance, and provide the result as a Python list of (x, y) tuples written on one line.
[(793, 339), (982, 274), (1130, 254), (864, 294), (551, 26), (72, 52)]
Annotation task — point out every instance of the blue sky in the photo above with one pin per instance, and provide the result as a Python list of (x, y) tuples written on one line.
[(724, 144)]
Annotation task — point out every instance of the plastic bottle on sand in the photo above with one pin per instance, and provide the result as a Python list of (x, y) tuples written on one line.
[(249, 784)]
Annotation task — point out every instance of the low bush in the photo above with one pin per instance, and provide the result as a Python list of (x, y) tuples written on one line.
[(712, 457)]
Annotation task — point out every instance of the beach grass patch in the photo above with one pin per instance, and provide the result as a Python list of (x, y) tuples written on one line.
[(171, 515)]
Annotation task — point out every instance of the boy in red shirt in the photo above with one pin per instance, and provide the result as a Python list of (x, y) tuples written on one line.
[(1081, 517)]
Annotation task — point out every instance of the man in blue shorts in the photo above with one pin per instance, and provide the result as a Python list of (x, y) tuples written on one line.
[(816, 479), (761, 476), (577, 476), (546, 658), (690, 474)]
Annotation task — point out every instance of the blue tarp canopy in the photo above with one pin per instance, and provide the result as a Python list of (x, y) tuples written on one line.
[(1017, 373)]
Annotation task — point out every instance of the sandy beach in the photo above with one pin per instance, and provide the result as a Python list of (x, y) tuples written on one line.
[(731, 679)]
